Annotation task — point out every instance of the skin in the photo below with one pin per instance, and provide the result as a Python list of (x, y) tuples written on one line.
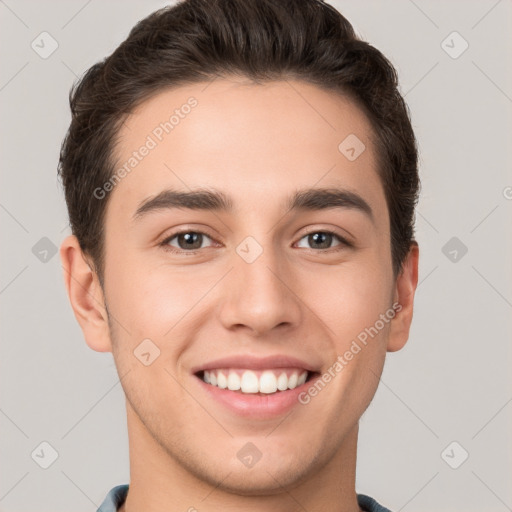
[(258, 144)]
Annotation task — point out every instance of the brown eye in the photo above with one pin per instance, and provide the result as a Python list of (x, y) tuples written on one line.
[(186, 240), (322, 240)]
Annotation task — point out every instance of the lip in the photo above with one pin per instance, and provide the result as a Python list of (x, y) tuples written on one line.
[(256, 406), (257, 363)]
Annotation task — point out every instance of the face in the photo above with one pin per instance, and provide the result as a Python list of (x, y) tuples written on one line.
[(269, 289)]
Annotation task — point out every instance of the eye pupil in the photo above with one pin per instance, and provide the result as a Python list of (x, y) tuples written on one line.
[(190, 239), (320, 238)]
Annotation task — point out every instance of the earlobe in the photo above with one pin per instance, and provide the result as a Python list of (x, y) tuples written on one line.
[(406, 284), (85, 295)]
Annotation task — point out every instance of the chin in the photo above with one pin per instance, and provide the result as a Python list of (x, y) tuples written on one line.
[(264, 480)]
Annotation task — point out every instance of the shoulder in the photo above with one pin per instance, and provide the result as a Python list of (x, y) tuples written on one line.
[(368, 504), (114, 499)]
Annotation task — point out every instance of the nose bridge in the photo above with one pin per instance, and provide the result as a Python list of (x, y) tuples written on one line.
[(258, 294)]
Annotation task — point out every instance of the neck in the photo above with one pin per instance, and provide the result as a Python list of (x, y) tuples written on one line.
[(158, 482)]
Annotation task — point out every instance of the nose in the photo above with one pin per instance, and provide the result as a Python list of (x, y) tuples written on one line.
[(259, 296)]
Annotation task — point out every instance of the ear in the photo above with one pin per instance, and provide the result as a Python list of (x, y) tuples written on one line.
[(405, 288), (85, 295)]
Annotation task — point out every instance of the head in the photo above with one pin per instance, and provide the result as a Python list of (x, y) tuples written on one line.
[(292, 127)]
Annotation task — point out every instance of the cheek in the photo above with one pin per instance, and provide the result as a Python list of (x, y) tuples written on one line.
[(147, 299), (349, 298), (162, 303)]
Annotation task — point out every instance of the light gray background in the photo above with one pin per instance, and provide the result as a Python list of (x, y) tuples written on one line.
[(452, 381)]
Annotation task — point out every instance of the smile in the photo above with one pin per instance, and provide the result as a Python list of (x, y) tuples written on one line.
[(256, 388)]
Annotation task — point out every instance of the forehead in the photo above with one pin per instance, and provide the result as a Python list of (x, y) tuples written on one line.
[(257, 140)]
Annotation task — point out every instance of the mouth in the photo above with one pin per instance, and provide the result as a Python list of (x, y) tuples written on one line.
[(256, 388), (256, 382)]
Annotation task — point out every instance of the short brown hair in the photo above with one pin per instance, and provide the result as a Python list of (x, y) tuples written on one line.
[(264, 40)]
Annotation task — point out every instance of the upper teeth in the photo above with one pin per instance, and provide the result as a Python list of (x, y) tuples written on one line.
[(248, 381)]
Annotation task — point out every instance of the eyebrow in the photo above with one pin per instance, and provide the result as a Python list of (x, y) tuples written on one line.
[(215, 200)]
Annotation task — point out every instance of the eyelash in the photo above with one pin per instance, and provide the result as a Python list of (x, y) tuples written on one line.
[(165, 243)]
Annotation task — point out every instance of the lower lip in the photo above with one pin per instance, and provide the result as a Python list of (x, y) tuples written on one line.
[(253, 405)]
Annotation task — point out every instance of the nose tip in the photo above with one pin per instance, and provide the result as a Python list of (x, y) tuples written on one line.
[(257, 296)]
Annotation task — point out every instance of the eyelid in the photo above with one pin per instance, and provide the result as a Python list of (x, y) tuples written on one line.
[(168, 238), (342, 239), (338, 232)]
